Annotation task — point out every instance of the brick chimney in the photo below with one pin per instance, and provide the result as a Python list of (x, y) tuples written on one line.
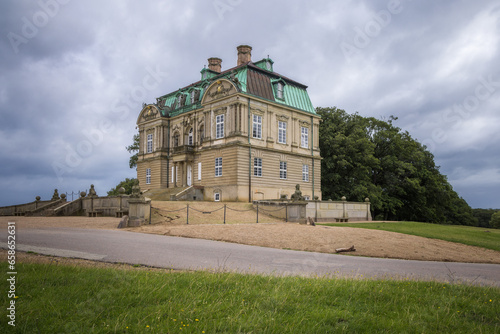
[(214, 64), (244, 54)]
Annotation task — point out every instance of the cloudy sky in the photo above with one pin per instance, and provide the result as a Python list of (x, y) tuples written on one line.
[(74, 75)]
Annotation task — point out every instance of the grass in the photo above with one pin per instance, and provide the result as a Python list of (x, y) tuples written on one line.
[(71, 299), (468, 235)]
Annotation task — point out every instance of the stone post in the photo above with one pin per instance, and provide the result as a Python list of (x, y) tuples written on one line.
[(138, 208), (368, 211)]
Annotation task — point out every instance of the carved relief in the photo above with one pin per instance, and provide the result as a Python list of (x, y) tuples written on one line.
[(282, 118), (257, 153), (188, 121), (219, 89), (304, 123), (257, 111), (219, 111), (149, 113)]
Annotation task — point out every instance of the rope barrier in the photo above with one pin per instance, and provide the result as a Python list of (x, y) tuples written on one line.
[(240, 210), (266, 210), (187, 208), (169, 210), (206, 212)]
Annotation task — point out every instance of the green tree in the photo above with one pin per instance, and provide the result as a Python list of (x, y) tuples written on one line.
[(127, 184), (134, 148), (368, 157), (495, 220), (483, 216)]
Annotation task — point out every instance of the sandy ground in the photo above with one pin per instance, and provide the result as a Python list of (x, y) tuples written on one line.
[(371, 243)]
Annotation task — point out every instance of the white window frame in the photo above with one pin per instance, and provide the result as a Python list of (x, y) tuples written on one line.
[(280, 91), (305, 173), (190, 137), (257, 126), (218, 167), (219, 126), (192, 96), (283, 170), (257, 167), (282, 132), (149, 143), (304, 137), (199, 171), (148, 175), (217, 197), (172, 176)]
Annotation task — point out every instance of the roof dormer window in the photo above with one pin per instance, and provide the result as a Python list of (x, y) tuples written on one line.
[(279, 90)]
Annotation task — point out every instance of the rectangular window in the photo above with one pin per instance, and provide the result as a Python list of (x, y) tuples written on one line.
[(172, 177), (219, 126), (217, 197), (282, 169), (218, 166), (199, 170), (304, 137), (190, 137), (281, 132), (148, 176), (257, 166), (257, 127), (279, 90), (192, 96), (305, 173), (149, 148)]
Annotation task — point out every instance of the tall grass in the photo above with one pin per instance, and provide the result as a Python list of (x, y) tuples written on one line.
[(468, 235), (65, 299)]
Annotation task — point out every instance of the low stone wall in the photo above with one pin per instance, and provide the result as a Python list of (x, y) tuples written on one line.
[(326, 211), (109, 206), (22, 209), (290, 211)]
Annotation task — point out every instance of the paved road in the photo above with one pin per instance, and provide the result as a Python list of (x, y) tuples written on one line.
[(186, 253)]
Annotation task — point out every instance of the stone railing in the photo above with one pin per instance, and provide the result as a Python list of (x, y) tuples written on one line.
[(290, 211), (339, 211)]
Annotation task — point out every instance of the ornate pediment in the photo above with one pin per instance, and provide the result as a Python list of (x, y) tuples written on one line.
[(150, 112), (304, 123), (257, 111), (283, 118), (188, 121), (219, 89)]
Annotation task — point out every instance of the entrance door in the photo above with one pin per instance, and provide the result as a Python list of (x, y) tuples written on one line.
[(189, 175)]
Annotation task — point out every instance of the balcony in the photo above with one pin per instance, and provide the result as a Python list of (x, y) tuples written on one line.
[(183, 149)]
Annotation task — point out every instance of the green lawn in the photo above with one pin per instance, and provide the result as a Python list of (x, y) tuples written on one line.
[(65, 299), (474, 236)]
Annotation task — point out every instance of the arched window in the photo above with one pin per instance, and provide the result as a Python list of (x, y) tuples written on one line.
[(190, 137)]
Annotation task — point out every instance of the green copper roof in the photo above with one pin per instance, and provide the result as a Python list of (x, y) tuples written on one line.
[(254, 79)]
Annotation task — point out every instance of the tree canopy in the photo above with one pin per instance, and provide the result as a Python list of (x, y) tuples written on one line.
[(134, 148), (127, 184), (367, 157)]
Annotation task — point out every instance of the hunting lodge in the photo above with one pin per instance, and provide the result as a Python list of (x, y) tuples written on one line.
[(243, 134)]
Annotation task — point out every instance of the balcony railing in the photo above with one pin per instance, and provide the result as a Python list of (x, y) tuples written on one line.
[(183, 149)]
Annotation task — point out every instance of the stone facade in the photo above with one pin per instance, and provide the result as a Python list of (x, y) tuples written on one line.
[(244, 134)]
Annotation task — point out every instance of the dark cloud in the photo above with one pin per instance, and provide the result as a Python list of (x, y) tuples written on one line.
[(83, 68)]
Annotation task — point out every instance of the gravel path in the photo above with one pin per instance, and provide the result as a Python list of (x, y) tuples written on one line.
[(370, 243)]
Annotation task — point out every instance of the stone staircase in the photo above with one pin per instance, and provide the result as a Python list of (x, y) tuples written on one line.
[(163, 194)]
